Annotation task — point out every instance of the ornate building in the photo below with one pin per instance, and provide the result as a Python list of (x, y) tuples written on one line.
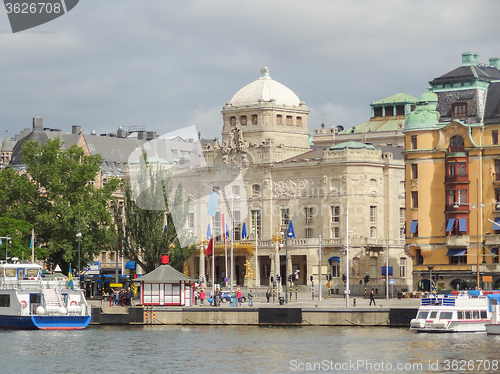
[(350, 196), (452, 159)]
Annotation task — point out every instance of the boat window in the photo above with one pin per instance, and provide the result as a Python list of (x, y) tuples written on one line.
[(5, 301), (423, 314), (475, 314), (1, 272), (460, 314), (468, 314), (32, 272), (10, 272), (433, 314), (445, 315), (483, 314), (35, 298)]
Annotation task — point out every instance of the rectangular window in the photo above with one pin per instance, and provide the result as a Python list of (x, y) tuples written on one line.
[(373, 214), (236, 190), (191, 221), (285, 216), (402, 267), (335, 232), (309, 215), (462, 196), (402, 212), (459, 111), (458, 259), (414, 142), (494, 136), (256, 217), (255, 119), (451, 168), (462, 168), (373, 232), (5, 301), (299, 121), (450, 197), (237, 223), (289, 120), (279, 120), (414, 171), (419, 259), (256, 189), (373, 267), (309, 233), (103, 256), (112, 256), (335, 214), (414, 199)]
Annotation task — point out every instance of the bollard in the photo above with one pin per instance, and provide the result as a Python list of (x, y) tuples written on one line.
[(354, 302)]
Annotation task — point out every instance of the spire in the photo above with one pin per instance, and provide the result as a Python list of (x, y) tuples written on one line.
[(6, 144)]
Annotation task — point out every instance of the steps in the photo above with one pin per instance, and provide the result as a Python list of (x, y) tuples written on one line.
[(51, 297)]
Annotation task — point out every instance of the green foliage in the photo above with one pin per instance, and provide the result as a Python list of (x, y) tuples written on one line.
[(148, 231), (57, 199)]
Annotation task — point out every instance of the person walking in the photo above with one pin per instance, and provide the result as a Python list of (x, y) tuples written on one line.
[(268, 295), (372, 298), (202, 296), (250, 296), (238, 296), (211, 296), (196, 296)]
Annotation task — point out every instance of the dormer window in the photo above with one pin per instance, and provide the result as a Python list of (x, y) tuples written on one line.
[(459, 111)]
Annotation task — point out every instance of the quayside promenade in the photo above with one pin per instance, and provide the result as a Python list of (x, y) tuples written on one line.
[(303, 312)]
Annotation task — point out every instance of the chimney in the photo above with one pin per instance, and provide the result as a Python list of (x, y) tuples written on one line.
[(141, 135), (121, 133), (75, 129), (495, 62), (470, 58), (37, 124), (150, 135)]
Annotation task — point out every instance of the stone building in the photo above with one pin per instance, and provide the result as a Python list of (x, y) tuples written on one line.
[(452, 161), (266, 174)]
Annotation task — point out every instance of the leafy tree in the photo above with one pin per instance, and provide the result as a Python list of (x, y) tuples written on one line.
[(57, 199), (147, 231), (20, 233)]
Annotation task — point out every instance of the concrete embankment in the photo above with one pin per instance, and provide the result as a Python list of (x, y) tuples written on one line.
[(263, 316)]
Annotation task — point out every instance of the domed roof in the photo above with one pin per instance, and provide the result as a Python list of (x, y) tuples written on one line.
[(352, 145), (425, 116), (265, 89)]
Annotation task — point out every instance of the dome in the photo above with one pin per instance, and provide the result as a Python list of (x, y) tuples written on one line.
[(352, 145), (265, 89), (425, 116)]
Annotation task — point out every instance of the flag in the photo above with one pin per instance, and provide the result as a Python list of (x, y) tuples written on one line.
[(210, 249), (212, 204), (227, 231), (244, 231), (209, 235), (70, 278), (32, 243), (290, 233)]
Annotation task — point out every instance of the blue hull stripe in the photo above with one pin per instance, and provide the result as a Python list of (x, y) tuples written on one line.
[(45, 322)]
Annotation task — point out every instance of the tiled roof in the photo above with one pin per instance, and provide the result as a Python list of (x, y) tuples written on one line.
[(484, 72)]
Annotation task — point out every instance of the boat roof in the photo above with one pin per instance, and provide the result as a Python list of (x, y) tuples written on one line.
[(20, 265)]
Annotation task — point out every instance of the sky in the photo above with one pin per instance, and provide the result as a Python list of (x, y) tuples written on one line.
[(168, 64)]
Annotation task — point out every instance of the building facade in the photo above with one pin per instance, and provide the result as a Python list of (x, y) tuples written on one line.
[(452, 164)]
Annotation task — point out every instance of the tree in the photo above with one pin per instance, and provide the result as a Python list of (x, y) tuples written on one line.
[(148, 231), (56, 197)]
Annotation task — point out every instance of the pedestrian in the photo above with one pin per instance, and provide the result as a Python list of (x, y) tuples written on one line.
[(372, 298), (238, 296), (196, 296), (250, 296), (202, 296), (211, 296), (268, 295)]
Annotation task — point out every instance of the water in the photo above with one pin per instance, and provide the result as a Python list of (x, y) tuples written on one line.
[(245, 349)]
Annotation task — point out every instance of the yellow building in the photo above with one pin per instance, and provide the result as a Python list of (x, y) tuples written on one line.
[(452, 173)]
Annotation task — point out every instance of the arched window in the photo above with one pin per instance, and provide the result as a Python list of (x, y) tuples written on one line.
[(457, 144)]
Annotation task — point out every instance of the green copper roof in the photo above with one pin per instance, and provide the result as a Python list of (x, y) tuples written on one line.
[(398, 98), (352, 145), (425, 115), (376, 124)]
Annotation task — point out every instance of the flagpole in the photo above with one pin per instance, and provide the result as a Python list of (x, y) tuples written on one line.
[(257, 283), (32, 245), (213, 256), (225, 246)]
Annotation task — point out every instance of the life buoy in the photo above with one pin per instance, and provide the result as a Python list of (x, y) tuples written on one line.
[(73, 303), (24, 304)]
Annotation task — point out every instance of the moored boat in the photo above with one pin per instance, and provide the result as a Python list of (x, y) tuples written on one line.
[(30, 301), (493, 328), (467, 311)]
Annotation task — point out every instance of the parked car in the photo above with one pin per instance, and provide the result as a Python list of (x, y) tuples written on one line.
[(226, 296)]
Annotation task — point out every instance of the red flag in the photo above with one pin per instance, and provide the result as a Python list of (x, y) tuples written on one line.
[(210, 249)]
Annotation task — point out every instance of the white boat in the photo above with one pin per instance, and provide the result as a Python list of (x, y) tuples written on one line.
[(493, 328), (466, 311), (30, 301)]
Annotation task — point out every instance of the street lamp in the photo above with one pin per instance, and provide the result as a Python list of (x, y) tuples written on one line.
[(277, 239), (477, 205)]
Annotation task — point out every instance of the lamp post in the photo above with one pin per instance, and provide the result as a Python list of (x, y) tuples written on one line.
[(277, 239)]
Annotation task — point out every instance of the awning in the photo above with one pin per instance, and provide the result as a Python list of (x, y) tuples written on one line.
[(456, 252), (496, 225), (494, 251), (413, 227), (451, 223), (331, 259), (130, 265), (462, 224)]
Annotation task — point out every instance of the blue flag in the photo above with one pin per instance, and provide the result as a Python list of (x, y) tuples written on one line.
[(244, 231), (70, 278), (212, 204), (227, 232), (290, 233), (209, 234)]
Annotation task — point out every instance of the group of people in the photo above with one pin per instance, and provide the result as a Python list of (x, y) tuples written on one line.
[(120, 297), (201, 296)]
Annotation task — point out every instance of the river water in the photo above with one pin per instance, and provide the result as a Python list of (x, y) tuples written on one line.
[(246, 349)]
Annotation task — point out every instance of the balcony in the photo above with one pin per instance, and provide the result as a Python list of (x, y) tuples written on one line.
[(457, 241), (493, 240)]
